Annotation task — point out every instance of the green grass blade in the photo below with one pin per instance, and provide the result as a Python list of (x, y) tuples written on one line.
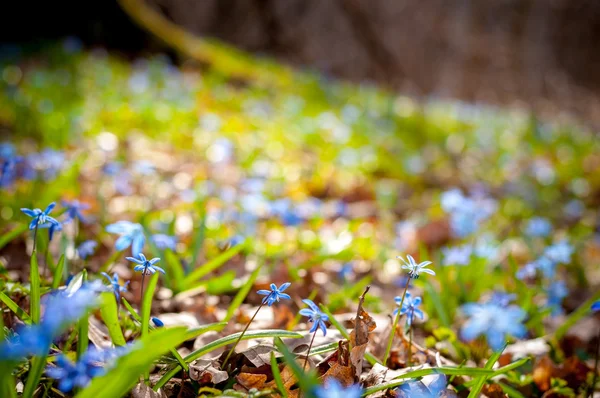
[(306, 380), (83, 326), (147, 303), (217, 326), (12, 234), (480, 382), (121, 378), (7, 382), (501, 370), (277, 376), (452, 371), (19, 312), (58, 272), (131, 310), (34, 278), (176, 270), (222, 342), (199, 238), (35, 373), (510, 391), (212, 265), (110, 316), (576, 316), (242, 294)]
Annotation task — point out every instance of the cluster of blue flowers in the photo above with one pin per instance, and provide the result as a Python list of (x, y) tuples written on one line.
[(466, 213), (45, 164)]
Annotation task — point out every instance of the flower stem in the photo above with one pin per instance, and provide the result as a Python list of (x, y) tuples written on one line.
[(410, 337), (395, 324), (242, 335), (142, 290), (309, 348), (34, 239)]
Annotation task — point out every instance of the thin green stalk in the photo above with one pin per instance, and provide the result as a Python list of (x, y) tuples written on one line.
[(83, 326), (241, 335), (309, 348), (394, 325), (410, 337)]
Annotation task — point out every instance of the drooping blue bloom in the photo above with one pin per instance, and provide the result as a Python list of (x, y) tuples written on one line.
[(116, 287), (163, 241), (409, 308), (276, 293), (596, 306), (415, 269), (41, 219), (556, 291), (29, 340), (9, 171), (146, 267), (315, 316), (130, 234), (78, 374), (157, 322), (560, 252), (74, 209), (86, 249), (538, 227), (457, 255), (346, 271), (547, 266), (435, 385), (54, 228), (494, 321), (334, 389)]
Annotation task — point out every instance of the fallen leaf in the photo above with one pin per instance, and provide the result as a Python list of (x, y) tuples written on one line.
[(359, 338), (251, 380), (144, 391), (260, 355), (204, 371), (344, 374), (543, 372)]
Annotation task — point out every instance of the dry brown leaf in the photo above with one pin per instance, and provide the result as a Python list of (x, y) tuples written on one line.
[(204, 371), (287, 377), (493, 391), (543, 372), (344, 374), (144, 391), (359, 338), (260, 355), (251, 380)]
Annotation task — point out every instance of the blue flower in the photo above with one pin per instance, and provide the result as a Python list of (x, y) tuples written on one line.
[(457, 255), (163, 241), (41, 219), (130, 234), (275, 294), (9, 171), (409, 308), (144, 167), (32, 340), (157, 322), (466, 213), (146, 267), (86, 249), (557, 291), (334, 389), (538, 227), (415, 269), (547, 266), (502, 299), (74, 209), (494, 321), (528, 271), (596, 306), (116, 287), (315, 316), (78, 374), (54, 228), (560, 252), (418, 389)]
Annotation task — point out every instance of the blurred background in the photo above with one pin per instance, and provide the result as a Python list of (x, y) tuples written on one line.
[(535, 54)]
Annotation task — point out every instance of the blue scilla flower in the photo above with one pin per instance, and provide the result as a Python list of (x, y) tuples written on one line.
[(31, 340), (415, 269), (130, 234), (163, 241), (466, 213), (78, 374), (146, 267), (559, 252), (74, 209), (8, 171), (334, 389), (53, 229), (538, 227), (116, 287), (528, 271), (494, 321), (556, 291), (546, 266), (157, 322), (502, 299), (86, 249), (409, 308), (275, 294), (41, 219), (428, 387), (596, 306), (315, 316), (457, 255)]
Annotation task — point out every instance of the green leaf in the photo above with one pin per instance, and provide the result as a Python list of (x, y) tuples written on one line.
[(35, 373), (110, 316), (147, 303), (510, 391), (34, 278), (58, 272), (19, 312), (575, 316), (121, 378), (501, 371), (12, 234), (212, 265), (199, 238), (306, 380), (83, 326), (242, 294), (453, 371), (7, 382), (249, 335), (277, 376), (480, 382), (175, 270)]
